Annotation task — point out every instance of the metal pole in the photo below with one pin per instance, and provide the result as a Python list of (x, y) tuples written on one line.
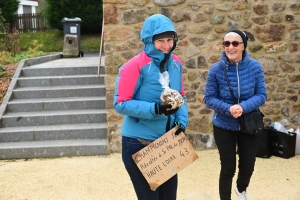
[(99, 66)]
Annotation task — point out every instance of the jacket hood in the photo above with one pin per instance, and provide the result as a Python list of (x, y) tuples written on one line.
[(154, 25)]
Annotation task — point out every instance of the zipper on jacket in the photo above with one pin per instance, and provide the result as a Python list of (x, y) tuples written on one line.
[(216, 115), (175, 64), (238, 80), (149, 67)]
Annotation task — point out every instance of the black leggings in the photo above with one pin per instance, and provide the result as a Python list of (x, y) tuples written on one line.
[(226, 142)]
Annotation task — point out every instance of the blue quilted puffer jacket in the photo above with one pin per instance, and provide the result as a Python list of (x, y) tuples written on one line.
[(248, 84)]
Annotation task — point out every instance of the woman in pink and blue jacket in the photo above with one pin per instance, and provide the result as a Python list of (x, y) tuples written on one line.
[(137, 97)]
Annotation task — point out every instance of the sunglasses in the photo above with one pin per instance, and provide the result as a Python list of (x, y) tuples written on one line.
[(234, 43)]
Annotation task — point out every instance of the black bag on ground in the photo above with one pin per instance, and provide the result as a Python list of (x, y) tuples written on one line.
[(283, 144), (264, 148), (252, 122)]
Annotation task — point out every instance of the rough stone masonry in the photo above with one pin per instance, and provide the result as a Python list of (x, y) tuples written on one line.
[(273, 28)]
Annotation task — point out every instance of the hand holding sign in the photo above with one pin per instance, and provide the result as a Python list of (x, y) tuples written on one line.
[(164, 158)]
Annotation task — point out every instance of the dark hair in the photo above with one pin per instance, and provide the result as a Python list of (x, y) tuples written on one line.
[(167, 34)]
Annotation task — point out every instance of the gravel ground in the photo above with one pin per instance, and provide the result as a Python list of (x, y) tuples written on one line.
[(105, 178)]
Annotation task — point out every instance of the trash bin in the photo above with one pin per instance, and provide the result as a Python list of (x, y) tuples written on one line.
[(71, 26)]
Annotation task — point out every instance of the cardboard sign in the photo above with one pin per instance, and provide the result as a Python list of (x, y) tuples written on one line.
[(164, 158)]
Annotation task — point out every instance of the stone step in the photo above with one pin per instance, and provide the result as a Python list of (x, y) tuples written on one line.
[(54, 132), (69, 103), (60, 71), (59, 91), (53, 148), (43, 81), (53, 118), (55, 109)]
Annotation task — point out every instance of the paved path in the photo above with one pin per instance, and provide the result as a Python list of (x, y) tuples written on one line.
[(87, 59), (105, 178)]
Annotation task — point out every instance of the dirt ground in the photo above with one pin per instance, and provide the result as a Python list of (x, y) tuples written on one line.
[(105, 178), (5, 80)]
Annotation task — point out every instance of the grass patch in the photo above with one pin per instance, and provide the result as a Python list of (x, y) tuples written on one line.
[(90, 42), (53, 41)]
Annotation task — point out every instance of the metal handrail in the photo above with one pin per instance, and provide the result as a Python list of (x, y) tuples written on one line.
[(100, 54)]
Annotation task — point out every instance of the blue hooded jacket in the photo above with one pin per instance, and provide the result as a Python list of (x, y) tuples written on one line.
[(138, 87), (247, 80)]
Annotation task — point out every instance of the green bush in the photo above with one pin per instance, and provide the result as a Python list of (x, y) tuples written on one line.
[(2, 31), (89, 11), (8, 41), (33, 51), (2, 68), (4, 57), (12, 42), (9, 7)]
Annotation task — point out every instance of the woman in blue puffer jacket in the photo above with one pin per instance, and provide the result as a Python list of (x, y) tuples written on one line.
[(246, 78), (137, 97)]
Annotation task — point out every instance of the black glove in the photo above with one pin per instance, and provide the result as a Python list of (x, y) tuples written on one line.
[(164, 109), (180, 129)]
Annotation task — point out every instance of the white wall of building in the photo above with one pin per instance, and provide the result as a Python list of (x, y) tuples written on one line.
[(33, 5)]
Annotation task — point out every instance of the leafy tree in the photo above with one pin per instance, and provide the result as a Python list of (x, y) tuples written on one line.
[(2, 31), (9, 42), (9, 7), (2, 26), (41, 7), (89, 11)]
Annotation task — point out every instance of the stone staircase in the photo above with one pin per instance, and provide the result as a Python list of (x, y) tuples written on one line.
[(54, 111)]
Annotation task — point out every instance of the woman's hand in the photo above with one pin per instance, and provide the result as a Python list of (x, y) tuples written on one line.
[(236, 110)]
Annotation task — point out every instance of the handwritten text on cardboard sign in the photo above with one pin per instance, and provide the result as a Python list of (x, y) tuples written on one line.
[(164, 158)]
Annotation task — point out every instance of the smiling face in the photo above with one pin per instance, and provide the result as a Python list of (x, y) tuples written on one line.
[(234, 54), (164, 44)]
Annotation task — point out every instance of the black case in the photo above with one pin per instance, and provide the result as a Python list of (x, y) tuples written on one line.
[(264, 148), (283, 144)]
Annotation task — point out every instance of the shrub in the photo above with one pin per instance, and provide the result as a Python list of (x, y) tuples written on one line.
[(12, 42), (89, 11), (2, 68), (4, 57), (9, 7), (8, 41), (2, 31)]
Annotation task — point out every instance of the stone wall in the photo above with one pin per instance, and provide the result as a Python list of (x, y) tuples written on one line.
[(273, 28)]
